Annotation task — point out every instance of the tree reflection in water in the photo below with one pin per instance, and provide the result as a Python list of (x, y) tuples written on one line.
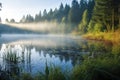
[(16, 59)]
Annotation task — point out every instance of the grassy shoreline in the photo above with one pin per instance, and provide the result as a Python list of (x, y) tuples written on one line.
[(113, 37)]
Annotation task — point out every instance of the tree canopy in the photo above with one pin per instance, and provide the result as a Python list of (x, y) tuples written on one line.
[(85, 14)]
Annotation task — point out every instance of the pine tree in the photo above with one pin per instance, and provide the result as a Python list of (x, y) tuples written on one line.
[(83, 24), (66, 12), (60, 12), (44, 17), (38, 17), (74, 12), (105, 12), (90, 7), (83, 7), (50, 15), (29, 19)]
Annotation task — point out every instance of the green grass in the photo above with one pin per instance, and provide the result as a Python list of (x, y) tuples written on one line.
[(102, 68), (104, 36)]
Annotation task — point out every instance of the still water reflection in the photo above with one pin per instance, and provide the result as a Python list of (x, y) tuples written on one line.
[(31, 52)]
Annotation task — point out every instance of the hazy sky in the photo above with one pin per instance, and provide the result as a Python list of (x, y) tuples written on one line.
[(17, 8)]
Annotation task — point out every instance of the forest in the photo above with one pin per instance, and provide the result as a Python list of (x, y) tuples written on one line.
[(86, 15)]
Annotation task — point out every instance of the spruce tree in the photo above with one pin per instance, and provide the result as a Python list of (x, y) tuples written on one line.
[(84, 22), (74, 12)]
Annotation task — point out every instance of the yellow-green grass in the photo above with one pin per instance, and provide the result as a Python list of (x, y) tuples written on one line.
[(104, 36)]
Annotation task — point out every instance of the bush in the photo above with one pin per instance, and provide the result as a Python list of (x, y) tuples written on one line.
[(102, 68)]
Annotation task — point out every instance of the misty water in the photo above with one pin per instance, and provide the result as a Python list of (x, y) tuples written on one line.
[(34, 51)]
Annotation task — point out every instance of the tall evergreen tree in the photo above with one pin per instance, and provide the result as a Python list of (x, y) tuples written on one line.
[(60, 12), (44, 17), (74, 12), (55, 13), (83, 6), (38, 17), (84, 22), (50, 14), (29, 18), (66, 12), (90, 7), (105, 12)]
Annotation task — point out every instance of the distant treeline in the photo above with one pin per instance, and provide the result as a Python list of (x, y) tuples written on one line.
[(67, 13), (87, 15)]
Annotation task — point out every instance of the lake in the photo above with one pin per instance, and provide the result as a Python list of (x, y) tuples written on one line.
[(31, 52)]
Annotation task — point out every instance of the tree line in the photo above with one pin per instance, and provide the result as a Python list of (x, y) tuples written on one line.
[(86, 15), (67, 13)]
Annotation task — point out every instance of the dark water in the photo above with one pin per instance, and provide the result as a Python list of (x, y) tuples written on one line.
[(33, 51)]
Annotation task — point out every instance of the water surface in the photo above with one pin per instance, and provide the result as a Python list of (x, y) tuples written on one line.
[(33, 51)]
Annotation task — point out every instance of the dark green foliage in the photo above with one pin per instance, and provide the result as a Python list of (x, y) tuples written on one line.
[(102, 68), (74, 12), (83, 6), (90, 8), (66, 12), (46, 71), (84, 22), (106, 13), (26, 76), (56, 74), (60, 12), (102, 15)]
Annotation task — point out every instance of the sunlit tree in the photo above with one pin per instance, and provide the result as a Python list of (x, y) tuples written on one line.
[(106, 13), (83, 24)]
